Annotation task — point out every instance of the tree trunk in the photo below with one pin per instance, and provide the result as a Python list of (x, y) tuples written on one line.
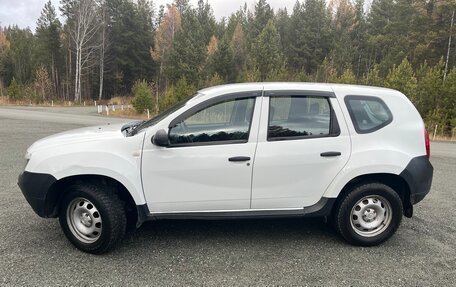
[(449, 47)]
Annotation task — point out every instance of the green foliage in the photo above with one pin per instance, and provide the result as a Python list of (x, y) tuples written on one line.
[(402, 78), (13, 92), (347, 77), (309, 39), (183, 89), (372, 77), (429, 88), (188, 53), (177, 93), (268, 55), (48, 38), (131, 34), (222, 62), (142, 97), (215, 80)]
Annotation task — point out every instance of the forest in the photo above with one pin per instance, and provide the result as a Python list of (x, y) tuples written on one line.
[(99, 49)]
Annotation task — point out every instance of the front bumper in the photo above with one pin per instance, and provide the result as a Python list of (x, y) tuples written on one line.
[(418, 175), (35, 187)]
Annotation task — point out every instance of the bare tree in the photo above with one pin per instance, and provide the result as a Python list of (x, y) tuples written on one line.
[(103, 46), (83, 27)]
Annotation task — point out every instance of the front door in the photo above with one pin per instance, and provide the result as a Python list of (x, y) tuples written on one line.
[(208, 165)]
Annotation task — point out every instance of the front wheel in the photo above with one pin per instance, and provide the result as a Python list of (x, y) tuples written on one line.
[(369, 215), (92, 218)]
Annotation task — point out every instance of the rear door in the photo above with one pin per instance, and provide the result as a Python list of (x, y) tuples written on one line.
[(303, 144)]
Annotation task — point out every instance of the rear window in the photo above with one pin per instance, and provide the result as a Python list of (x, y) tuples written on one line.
[(368, 114), (296, 117)]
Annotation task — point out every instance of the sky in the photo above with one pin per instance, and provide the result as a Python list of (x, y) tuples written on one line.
[(24, 13)]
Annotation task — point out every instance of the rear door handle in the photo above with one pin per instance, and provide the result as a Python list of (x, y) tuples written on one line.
[(239, 158), (330, 154)]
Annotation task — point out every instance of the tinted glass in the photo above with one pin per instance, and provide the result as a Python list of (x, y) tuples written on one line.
[(222, 122), (294, 116), (368, 114)]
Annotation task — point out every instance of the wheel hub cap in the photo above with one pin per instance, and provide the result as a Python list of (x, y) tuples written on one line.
[(84, 220), (371, 215)]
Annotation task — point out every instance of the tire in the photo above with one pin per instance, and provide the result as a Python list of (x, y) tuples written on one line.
[(368, 215), (93, 218)]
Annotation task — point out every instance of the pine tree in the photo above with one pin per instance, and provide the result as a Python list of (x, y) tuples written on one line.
[(429, 88), (402, 78), (268, 55), (310, 33), (221, 62), (188, 54), (239, 47), (263, 13), (48, 44)]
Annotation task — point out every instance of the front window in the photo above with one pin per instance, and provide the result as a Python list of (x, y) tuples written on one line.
[(223, 122)]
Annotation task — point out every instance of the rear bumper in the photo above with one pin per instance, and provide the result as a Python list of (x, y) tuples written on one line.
[(418, 175), (35, 187)]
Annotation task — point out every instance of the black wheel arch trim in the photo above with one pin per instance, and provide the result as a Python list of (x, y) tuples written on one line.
[(35, 187), (418, 175)]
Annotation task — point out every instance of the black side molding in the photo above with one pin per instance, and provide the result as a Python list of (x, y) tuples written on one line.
[(322, 208)]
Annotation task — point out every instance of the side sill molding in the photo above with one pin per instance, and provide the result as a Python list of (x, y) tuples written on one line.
[(322, 208)]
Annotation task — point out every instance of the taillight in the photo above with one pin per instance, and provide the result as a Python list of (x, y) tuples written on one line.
[(427, 143)]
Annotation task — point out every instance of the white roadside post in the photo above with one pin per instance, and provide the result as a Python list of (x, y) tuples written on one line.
[(148, 114), (107, 110), (435, 132)]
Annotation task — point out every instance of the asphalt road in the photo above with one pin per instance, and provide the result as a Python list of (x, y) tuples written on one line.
[(285, 252)]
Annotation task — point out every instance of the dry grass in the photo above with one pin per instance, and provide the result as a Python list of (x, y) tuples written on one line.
[(444, 138), (4, 101), (127, 113), (120, 100)]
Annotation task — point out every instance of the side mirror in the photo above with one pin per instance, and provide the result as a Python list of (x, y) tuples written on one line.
[(160, 138)]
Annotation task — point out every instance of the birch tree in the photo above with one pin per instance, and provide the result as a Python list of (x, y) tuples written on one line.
[(83, 26), (103, 46)]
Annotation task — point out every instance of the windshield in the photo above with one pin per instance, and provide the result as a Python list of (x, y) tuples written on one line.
[(163, 114)]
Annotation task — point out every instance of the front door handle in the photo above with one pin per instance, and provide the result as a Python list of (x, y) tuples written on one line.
[(330, 154), (239, 158)]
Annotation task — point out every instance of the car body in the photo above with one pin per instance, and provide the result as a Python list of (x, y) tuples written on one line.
[(243, 150)]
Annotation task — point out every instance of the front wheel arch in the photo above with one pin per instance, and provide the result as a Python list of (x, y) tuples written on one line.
[(57, 192)]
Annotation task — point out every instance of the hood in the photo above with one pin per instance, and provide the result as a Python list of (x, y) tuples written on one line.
[(78, 136)]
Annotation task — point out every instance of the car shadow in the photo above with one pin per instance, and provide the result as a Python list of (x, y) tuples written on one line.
[(169, 234)]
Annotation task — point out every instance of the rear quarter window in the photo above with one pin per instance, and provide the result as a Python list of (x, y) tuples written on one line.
[(368, 114)]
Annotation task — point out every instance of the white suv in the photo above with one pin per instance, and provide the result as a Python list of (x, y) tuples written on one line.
[(357, 155)]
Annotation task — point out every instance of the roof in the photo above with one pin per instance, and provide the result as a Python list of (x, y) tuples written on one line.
[(270, 86)]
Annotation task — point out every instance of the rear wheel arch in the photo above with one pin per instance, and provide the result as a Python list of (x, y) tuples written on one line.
[(396, 182)]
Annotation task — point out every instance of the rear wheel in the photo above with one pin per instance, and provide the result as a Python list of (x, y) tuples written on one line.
[(92, 218), (369, 214)]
